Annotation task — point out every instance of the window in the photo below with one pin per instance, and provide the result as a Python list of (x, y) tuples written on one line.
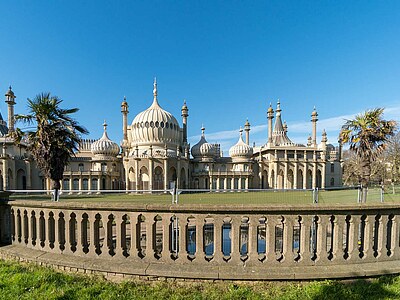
[(103, 167), (332, 168), (332, 181), (80, 168)]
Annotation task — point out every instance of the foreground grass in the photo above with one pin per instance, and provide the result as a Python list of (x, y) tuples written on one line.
[(269, 197), (26, 281)]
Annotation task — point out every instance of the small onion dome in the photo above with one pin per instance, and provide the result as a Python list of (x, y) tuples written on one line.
[(155, 126), (104, 146), (241, 150), (203, 148)]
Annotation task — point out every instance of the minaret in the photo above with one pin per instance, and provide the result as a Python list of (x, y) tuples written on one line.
[(285, 127), (247, 131), (185, 114), (10, 102), (270, 115), (124, 111), (314, 119), (324, 139)]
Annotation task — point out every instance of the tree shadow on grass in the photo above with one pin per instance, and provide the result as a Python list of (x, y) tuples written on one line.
[(384, 287)]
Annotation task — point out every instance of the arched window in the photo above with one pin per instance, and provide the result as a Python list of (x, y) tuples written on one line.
[(332, 181), (75, 184), (103, 167)]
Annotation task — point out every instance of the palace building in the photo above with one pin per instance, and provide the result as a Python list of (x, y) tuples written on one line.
[(155, 156)]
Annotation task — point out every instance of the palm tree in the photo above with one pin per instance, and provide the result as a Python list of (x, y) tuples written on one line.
[(368, 135), (56, 136)]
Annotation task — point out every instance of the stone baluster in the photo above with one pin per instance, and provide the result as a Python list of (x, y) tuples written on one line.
[(57, 228), (218, 255), (149, 238), (199, 236), (25, 227), (368, 238), (67, 245), (382, 237), (272, 221), (395, 237), (167, 237), (235, 239), (182, 221), (287, 250), (253, 238), (353, 238), (120, 235), (93, 236), (18, 226), (305, 229), (79, 236), (135, 236), (322, 251), (32, 241)]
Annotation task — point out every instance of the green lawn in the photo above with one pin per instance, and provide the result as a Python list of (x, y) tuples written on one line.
[(269, 197), (27, 281)]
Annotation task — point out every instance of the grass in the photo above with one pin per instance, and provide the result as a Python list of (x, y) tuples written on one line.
[(27, 281), (269, 197)]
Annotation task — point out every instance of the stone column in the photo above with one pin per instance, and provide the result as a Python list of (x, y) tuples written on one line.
[(137, 171), (165, 174), (151, 167)]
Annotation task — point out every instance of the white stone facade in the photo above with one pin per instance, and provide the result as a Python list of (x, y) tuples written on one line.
[(155, 155)]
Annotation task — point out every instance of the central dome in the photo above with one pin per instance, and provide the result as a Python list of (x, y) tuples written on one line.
[(155, 126)]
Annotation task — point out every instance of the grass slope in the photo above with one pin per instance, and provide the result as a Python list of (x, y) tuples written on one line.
[(27, 281)]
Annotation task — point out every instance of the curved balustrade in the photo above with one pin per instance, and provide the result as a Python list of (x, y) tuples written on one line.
[(214, 242)]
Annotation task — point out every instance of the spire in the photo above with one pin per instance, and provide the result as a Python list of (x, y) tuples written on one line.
[(155, 100), (279, 136), (105, 126)]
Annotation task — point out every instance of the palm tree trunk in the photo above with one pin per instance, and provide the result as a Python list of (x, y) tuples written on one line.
[(366, 173), (56, 187)]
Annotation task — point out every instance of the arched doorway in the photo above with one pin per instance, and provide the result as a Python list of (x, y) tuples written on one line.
[(171, 177), (290, 179), (319, 179), (300, 179), (309, 179), (143, 179), (21, 180), (281, 178), (158, 179), (264, 180)]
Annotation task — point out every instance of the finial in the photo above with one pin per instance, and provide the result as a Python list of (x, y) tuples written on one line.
[(184, 101), (202, 129), (105, 125), (278, 105), (10, 88), (124, 98), (155, 88)]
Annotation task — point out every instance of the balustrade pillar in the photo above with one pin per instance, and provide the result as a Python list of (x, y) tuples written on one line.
[(353, 246), (218, 221)]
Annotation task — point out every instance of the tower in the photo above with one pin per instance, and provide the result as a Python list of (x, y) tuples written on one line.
[(314, 119), (270, 116), (124, 111), (247, 131), (185, 114), (10, 102)]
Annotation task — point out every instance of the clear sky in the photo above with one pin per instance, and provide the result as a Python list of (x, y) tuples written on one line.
[(228, 59)]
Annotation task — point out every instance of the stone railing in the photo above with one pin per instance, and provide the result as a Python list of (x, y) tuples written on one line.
[(207, 242)]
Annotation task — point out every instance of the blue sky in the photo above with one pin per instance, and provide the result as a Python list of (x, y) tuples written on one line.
[(228, 59)]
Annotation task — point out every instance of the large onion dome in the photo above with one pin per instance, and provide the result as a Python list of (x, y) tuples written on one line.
[(203, 149), (241, 150), (104, 146), (155, 126)]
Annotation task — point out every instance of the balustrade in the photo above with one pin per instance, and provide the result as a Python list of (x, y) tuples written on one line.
[(196, 237)]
